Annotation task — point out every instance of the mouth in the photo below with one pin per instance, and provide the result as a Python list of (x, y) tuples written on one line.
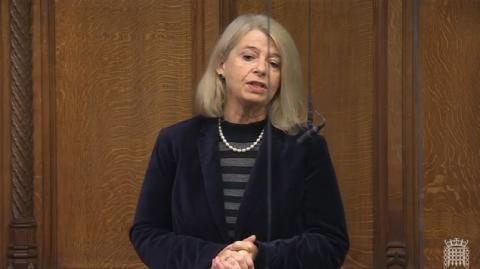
[(257, 85)]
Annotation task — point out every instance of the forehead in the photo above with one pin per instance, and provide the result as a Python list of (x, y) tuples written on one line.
[(257, 39)]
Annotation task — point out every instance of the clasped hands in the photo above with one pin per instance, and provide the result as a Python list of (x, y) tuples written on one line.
[(238, 255)]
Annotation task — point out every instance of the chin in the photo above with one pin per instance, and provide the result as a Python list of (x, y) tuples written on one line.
[(256, 98), (256, 102)]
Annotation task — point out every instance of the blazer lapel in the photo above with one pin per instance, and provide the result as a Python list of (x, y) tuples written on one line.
[(255, 195), (209, 159)]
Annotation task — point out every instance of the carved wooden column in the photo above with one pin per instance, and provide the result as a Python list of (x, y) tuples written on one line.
[(22, 251), (398, 201)]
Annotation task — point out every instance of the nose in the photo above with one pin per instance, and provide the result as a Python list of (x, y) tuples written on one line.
[(260, 69)]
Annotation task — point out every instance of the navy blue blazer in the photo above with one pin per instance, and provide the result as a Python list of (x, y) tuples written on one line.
[(180, 221)]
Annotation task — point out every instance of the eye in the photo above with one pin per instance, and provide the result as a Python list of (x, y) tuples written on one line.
[(248, 57), (275, 64)]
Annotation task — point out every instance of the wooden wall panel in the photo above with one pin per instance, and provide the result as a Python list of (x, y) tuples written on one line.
[(343, 85), (122, 71), (205, 32), (450, 72), (109, 74), (342, 68)]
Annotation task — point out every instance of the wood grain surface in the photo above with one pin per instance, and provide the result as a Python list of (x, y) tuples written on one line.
[(4, 130), (342, 85), (450, 72), (122, 71), (109, 74)]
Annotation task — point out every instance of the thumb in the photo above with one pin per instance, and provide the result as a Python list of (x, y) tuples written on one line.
[(251, 238)]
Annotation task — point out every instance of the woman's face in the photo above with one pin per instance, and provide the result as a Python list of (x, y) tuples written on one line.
[(249, 65)]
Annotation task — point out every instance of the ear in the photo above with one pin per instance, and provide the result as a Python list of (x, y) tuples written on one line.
[(221, 68)]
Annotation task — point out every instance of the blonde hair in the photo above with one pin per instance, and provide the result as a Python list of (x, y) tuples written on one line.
[(287, 109)]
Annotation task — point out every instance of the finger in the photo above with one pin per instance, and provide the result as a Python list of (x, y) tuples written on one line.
[(250, 248), (243, 245), (252, 238), (241, 260), (248, 258), (228, 247), (250, 263), (215, 263), (232, 263), (223, 254), (220, 264), (243, 252)]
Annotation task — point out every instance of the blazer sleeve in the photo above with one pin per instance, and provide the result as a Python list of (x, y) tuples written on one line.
[(324, 241), (151, 233)]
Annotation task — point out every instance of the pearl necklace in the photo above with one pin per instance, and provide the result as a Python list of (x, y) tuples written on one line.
[(224, 140)]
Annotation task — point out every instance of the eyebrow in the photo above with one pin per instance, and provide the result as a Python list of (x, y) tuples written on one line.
[(257, 49)]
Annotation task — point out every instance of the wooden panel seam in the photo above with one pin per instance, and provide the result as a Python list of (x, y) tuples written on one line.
[(412, 154), (380, 136), (46, 155)]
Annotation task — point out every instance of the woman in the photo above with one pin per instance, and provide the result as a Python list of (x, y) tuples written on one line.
[(203, 203)]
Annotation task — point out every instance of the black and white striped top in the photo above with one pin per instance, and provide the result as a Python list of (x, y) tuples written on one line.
[(236, 166)]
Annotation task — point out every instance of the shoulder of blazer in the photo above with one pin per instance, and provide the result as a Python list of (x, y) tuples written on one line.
[(187, 131)]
